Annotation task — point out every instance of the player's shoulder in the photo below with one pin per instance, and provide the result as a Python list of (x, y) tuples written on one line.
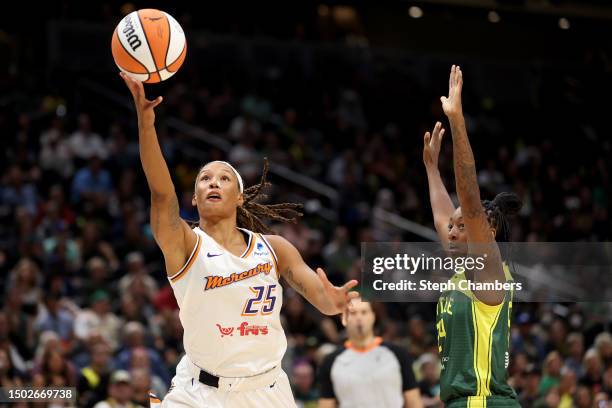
[(280, 245), (276, 240)]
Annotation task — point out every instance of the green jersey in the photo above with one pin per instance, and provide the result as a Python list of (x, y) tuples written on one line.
[(473, 340)]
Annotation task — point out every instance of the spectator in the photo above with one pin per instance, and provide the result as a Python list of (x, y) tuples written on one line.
[(583, 398), (134, 339), (98, 318), (552, 373), (593, 370), (339, 254), (306, 396), (530, 392), (16, 192), (567, 388), (523, 340), (96, 276), (141, 360), (84, 143), (56, 155), (92, 244), (92, 183), (57, 318), (575, 347), (603, 345), (120, 392), (9, 376), (429, 367), (54, 371), (137, 270), (93, 380), (142, 386), (26, 279)]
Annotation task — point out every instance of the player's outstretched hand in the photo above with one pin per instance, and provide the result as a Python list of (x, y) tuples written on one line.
[(451, 104), (144, 107), (431, 146), (340, 297)]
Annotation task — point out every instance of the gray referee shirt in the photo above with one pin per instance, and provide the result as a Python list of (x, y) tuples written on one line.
[(374, 377)]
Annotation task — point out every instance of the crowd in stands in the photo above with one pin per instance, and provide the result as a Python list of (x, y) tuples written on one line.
[(85, 302)]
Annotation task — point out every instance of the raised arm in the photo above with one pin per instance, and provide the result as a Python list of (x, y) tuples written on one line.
[(481, 237), (314, 286), (171, 233), (441, 204)]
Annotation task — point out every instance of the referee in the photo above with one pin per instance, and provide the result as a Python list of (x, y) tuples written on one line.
[(367, 372)]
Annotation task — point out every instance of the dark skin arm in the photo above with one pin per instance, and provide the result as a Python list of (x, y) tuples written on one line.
[(481, 237), (441, 204), (174, 237)]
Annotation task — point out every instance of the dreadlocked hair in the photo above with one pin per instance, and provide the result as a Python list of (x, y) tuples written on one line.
[(251, 212), (499, 210)]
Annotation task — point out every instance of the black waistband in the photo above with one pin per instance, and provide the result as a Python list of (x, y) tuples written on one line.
[(208, 379)]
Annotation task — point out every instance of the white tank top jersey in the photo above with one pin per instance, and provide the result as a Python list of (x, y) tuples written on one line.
[(230, 307)]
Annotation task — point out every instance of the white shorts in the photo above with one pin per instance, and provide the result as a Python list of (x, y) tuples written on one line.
[(270, 389)]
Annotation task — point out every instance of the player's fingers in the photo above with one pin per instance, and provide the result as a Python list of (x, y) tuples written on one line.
[(156, 102), (443, 99), (128, 82), (436, 130), (349, 285), (427, 138), (459, 79), (441, 134), (450, 78)]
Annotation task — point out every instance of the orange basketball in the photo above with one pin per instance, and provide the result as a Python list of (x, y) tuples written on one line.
[(149, 45)]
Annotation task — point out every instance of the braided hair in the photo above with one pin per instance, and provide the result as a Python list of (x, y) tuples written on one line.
[(251, 213), (499, 210)]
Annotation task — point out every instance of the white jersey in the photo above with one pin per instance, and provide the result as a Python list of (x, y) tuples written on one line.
[(230, 307)]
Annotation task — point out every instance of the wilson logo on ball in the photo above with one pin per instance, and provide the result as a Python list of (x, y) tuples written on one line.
[(129, 31)]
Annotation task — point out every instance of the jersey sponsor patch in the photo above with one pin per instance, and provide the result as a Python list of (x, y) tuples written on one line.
[(261, 250), (216, 281), (245, 329)]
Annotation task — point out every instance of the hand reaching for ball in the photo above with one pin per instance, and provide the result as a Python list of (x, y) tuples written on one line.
[(144, 107)]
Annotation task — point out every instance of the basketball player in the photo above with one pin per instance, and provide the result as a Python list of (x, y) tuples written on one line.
[(473, 326), (367, 371), (225, 276)]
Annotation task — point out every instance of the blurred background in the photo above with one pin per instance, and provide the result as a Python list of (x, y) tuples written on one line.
[(337, 95)]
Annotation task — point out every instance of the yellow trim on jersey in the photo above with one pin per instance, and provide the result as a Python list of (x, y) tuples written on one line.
[(183, 271), (485, 319), (476, 402)]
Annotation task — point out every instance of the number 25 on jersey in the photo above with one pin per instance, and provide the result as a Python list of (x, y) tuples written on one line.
[(260, 303)]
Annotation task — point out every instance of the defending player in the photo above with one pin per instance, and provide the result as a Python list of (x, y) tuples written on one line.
[(225, 275), (473, 327)]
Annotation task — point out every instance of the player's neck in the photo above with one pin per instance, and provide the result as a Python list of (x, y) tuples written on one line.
[(362, 342), (223, 231)]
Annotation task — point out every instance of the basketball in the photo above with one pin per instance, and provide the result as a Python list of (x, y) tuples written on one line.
[(149, 45)]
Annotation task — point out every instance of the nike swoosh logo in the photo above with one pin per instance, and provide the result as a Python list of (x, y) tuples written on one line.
[(213, 255)]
